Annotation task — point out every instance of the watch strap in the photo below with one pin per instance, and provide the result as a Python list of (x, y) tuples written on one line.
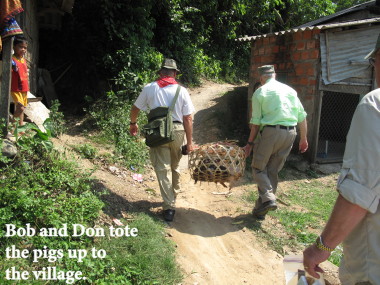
[(320, 245)]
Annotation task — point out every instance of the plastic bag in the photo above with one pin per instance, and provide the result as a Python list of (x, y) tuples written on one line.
[(295, 273)]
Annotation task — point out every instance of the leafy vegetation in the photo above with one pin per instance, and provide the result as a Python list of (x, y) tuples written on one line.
[(111, 115), (41, 188), (86, 151), (57, 119), (113, 47), (117, 45)]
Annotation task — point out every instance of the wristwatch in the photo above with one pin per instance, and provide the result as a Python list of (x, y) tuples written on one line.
[(320, 245), (250, 143), (133, 123)]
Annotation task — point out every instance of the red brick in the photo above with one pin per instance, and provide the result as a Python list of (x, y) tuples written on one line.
[(297, 36), (303, 81), (307, 35), (300, 69), (316, 32), (268, 50), (292, 81), (312, 82), (310, 44), (311, 90), (310, 71), (296, 56), (275, 49), (308, 65), (314, 54), (299, 89), (266, 41), (272, 39), (261, 51), (281, 66), (266, 59), (301, 45), (305, 55)]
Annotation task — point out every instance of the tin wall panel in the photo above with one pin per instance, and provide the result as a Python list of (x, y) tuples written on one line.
[(342, 55)]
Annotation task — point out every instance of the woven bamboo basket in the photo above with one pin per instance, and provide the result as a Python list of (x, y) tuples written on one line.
[(221, 162)]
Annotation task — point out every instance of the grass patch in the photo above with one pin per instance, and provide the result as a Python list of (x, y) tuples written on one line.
[(305, 204), (86, 150), (40, 187), (150, 253)]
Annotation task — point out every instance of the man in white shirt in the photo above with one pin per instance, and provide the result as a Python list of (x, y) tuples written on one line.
[(165, 158)]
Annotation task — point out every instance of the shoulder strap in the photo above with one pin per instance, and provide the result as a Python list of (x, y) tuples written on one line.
[(175, 98)]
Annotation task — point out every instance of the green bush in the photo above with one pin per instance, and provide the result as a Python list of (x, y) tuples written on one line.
[(45, 190), (112, 117), (57, 119), (134, 67), (45, 193), (86, 151)]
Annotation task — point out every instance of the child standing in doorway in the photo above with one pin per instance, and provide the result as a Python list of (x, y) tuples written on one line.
[(20, 84)]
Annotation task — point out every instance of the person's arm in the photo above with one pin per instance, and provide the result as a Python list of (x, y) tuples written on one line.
[(303, 145), (343, 220), (133, 127), (188, 126), (252, 136)]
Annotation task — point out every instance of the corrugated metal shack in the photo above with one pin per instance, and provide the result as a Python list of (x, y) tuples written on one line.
[(324, 61)]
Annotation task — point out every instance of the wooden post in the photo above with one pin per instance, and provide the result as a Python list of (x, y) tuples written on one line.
[(6, 83)]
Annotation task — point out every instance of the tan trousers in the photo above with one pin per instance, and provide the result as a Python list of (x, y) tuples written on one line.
[(360, 264), (165, 160), (269, 156)]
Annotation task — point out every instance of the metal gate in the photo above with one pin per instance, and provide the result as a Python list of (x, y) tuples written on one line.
[(335, 120)]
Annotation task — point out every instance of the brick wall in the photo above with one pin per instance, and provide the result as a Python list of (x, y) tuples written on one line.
[(296, 57)]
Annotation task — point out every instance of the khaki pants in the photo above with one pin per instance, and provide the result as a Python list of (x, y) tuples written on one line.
[(360, 264), (165, 160), (269, 155)]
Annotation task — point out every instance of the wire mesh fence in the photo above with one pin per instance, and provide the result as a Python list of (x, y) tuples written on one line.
[(336, 115)]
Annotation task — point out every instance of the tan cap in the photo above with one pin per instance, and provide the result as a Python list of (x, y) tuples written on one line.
[(373, 52), (266, 69), (169, 64)]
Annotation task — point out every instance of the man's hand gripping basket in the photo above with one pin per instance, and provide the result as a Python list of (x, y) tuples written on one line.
[(217, 162)]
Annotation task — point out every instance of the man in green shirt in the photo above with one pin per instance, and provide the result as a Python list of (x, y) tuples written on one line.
[(276, 110)]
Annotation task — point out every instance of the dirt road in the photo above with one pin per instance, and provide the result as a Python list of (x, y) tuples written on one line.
[(214, 247)]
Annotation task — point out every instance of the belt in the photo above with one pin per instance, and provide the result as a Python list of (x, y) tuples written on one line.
[(281, 127), (177, 122)]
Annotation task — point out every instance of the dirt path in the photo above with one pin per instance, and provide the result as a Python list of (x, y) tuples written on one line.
[(211, 249), (213, 244)]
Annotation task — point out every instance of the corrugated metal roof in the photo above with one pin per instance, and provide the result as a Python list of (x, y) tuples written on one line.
[(319, 27)]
